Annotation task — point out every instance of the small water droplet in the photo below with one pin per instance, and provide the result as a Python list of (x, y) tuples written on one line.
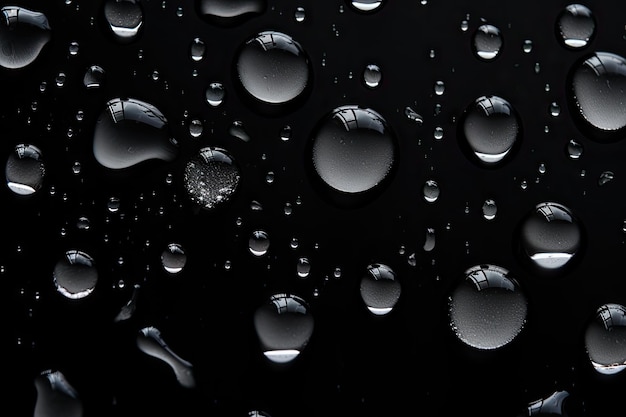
[(413, 115), (303, 267), (74, 48), (487, 42), (197, 50), (259, 243), (490, 209), (380, 290), (173, 258), (438, 134), (195, 128), (440, 88), (464, 25), (299, 14), (574, 149), (555, 109), (605, 177), (372, 75), (60, 79), (238, 131), (576, 26), (75, 275), (25, 170), (527, 46), (94, 77), (214, 94), (430, 240), (431, 191), (605, 339)]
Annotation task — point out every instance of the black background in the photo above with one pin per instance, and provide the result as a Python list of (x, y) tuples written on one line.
[(355, 364)]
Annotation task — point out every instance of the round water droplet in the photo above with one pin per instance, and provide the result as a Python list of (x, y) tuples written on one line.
[(431, 191), (490, 130), (284, 326), (551, 236), (353, 150), (303, 267), (75, 275), (372, 75), (214, 94), (487, 42), (490, 209), (197, 50), (380, 290), (130, 131), (575, 26), (273, 68), (259, 243), (124, 19), (299, 14), (173, 258), (487, 309), (605, 339), (366, 5), (195, 128), (211, 178), (23, 35), (94, 77), (598, 93), (25, 170), (229, 12)]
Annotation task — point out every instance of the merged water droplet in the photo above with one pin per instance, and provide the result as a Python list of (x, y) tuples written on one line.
[(575, 26), (551, 236), (173, 258), (487, 42), (211, 178), (490, 130), (353, 150), (124, 19), (488, 308), (229, 12), (284, 326), (131, 131), (366, 5), (605, 339), (273, 68), (598, 93), (380, 290), (259, 243), (23, 35), (75, 275), (25, 170), (150, 342), (56, 397)]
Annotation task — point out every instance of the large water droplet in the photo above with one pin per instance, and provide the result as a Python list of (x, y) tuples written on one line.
[(598, 93), (229, 12), (25, 170), (487, 309), (124, 18), (353, 150), (75, 275), (284, 326), (490, 130), (130, 131), (56, 397), (487, 42), (23, 34), (150, 342), (211, 177), (273, 68), (380, 290), (575, 26), (366, 5), (551, 236), (605, 339), (173, 258)]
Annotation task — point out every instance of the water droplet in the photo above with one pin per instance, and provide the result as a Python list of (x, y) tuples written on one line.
[(440, 88), (285, 133), (230, 12), (75, 275), (303, 267), (438, 134), (197, 50), (23, 35), (179, 11), (555, 109), (431, 191), (238, 131), (211, 177), (380, 290), (366, 5), (130, 131), (56, 396), (464, 25), (299, 14), (605, 339), (124, 19), (74, 48), (574, 149), (551, 236), (173, 258), (598, 89), (150, 342), (372, 75), (25, 170), (605, 177), (284, 326), (195, 128), (214, 94), (576, 26), (94, 77), (259, 243), (413, 115), (552, 405), (273, 68), (257, 413), (491, 128), (490, 209), (487, 42), (430, 240), (527, 46), (113, 204), (487, 309), (353, 150)]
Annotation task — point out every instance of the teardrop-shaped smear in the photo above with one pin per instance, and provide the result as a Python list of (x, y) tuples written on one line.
[(25, 170), (56, 397), (23, 34), (130, 131)]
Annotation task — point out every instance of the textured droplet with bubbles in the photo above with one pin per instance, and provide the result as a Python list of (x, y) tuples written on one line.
[(124, 18), (94, 77), (23, 35), (131, 131), (211, 177), (173, 258), (284, 326), (273, 69), (229, 12), (490, 130), (487, 42), (605, 339), (353, 151), (75, 275), (56, 397), (259, 242), (551, 236), (487, 309), (366, 5), (25, 170), (379, 289), (598, 94), (575, 26)]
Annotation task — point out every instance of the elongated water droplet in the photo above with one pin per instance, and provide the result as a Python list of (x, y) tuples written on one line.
[(25, 170), (487, 42), (575, 26), (124, 19), (56, 397), (173, 258), (299, 14), (413, 115), (75, 275), (23, 35), (380, 290), (284, 326), (605, 339), (197, 50), (130, 131), (259, 243), (430, 240), (431, 191), (487, 309)]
